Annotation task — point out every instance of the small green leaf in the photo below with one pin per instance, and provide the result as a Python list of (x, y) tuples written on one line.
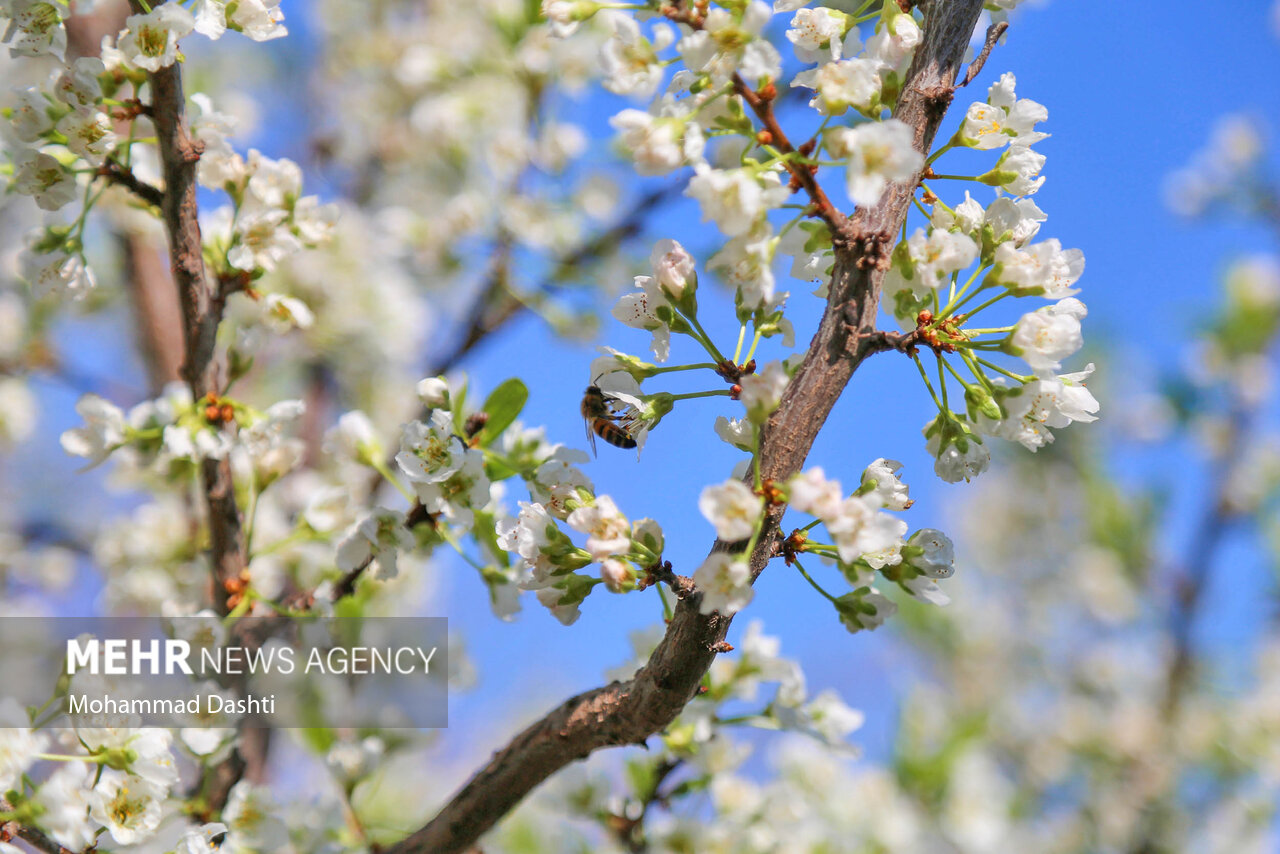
[(503, 407)]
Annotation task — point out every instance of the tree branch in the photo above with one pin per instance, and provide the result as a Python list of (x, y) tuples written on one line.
[(629, 712), (202, 302), (202, 305), (994, 32)]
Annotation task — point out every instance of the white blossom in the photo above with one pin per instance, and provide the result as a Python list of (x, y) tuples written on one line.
[(30, 119), (762, 391), (654, 143), (57, 274), (376, 540), (65, 798), (429, 451), (129, 806), (939, 557), (1043, 338), (1045, 403), (736, 431), (890, 492), (41, 176), (609, 532), (736, 198), (733, 508), (842, 84), (19, 745), (150, 41), (103, 430), (35, 29), (630, 61), (1041, 268), (673, 268), (566, 613), (811, 492), (725, 584), (252, 815), (878, 152), (816, 34), (200, 840)]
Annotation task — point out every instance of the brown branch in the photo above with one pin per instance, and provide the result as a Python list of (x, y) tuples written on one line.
[(202, 302), (994, 32), (202, 306), (123, 175), (629, 712), (762, 105)]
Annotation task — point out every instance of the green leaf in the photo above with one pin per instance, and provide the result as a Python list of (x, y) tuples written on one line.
[(503, 407), (459, 402)]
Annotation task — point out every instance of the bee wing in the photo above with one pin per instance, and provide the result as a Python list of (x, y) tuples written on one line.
[(591, 436)]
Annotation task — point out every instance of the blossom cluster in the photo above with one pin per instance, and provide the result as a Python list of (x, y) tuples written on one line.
[(115, 780)]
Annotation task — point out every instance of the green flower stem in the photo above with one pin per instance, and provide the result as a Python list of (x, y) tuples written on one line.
[(242, 607), (955, 177), (457, 547), (669, 369), (53, 757), (954, 372), (251, 512), (974, 368), (380, 467), (715, 392), (737, 351), (919, 207), (942, 381), (755, 342), (816, 585), (995, 299), (952, 305), (702, 335), (667, 613), (1019, 377), (941, 151), (925, 376)]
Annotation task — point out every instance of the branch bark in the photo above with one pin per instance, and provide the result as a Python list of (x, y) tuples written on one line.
[(202, 305), (629, 712), (202, 301)]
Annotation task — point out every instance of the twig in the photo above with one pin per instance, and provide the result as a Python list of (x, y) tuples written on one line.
[(800, 173), (123, 175), (624, 713), (994, 32)]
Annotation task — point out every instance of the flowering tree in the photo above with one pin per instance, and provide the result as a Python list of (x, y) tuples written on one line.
[(281, 346)]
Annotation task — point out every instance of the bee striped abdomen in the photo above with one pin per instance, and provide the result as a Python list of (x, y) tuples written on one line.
[(612, 433), (602, 422)]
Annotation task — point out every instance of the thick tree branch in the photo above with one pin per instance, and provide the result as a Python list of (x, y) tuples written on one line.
[(629, 712)]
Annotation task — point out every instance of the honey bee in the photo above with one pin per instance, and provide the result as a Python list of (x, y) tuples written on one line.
[(600, 419)]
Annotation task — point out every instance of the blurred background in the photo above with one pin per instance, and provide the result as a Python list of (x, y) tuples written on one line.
[(1107, 676)]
